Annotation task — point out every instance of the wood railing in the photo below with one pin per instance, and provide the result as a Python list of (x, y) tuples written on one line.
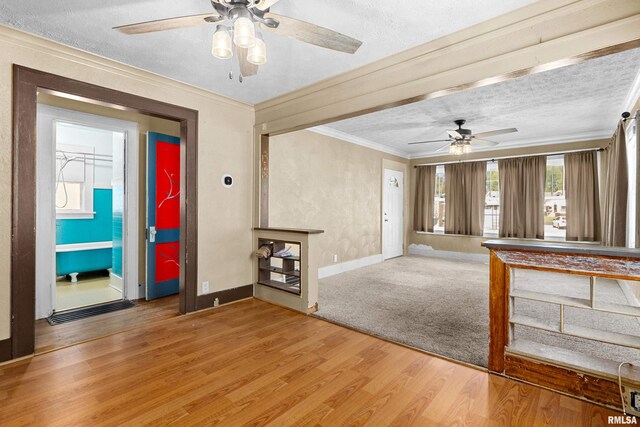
[(589, 377)]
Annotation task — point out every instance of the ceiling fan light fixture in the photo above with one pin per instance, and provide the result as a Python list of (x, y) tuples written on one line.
[(221, 45), (244, 32), (458, 148), (257, 53)]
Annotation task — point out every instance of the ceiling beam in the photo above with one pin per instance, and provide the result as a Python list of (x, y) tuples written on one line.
[(545, 35)]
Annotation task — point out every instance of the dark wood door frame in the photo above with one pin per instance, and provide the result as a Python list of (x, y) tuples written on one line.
[(26, 84)]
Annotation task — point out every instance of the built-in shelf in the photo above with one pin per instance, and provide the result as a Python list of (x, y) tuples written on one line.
[(293, 288), (572, 360), (280, 271), (628, 310), (578, 331), (293, 258)]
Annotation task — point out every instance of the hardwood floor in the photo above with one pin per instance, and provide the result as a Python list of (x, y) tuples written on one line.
[(252, 363), (52, 337)]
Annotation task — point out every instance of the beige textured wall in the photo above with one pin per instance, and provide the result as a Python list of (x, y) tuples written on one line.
[(472, 243), (325, 183), (145, 124), (225, 131)]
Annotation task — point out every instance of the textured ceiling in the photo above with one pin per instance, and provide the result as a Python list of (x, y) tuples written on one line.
[(184, 54), (576, 102)]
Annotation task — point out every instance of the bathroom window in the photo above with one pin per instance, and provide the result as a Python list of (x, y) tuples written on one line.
[(69, 196), (74, 173)]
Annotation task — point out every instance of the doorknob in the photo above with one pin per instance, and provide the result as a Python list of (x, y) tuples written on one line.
[(152, 234)]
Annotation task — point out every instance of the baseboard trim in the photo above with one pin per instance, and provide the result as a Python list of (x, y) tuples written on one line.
[(224, 297), (332, 270), (5, 350), (428, 251)]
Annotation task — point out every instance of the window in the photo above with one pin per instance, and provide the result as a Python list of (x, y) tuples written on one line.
[(438, 203), (492, 201), (69, 196), (74, 177), (555, 205)]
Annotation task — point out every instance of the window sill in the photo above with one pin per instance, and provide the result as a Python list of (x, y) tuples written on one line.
[(495, 236), (75, 215)]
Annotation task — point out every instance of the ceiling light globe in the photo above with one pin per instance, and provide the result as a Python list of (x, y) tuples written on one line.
[(257, 53), (244, 33), (221, 45)]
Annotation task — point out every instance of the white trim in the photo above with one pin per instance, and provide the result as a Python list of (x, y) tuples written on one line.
[(523, 143), (513, 144), (332, 270), (45, 206), (428, 251), (75, 215), (72, 247), (333, 133), (634, 94)]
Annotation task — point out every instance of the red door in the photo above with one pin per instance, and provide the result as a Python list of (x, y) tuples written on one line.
[(163, 215)]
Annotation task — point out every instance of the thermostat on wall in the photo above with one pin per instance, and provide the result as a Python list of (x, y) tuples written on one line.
[(227, 180)]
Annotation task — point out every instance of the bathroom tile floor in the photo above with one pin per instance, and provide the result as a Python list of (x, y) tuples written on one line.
[(89, 291)]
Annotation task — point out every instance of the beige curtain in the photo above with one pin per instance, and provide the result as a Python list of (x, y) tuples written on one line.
[(614, 190), (636, 124), (583, 204), (522, 197), (423, 201), (464, 187)]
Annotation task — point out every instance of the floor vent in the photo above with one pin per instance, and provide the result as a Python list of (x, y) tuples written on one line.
[(71, 315)]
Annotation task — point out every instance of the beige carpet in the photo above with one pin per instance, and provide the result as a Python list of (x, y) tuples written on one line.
[(442, 306)]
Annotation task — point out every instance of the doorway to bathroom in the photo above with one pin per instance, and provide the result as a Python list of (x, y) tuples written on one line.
[(99, 173), (86, 211)]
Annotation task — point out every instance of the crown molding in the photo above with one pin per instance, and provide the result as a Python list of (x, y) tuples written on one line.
[(34, 42), (633, 96), (333, 133), (528, 142)]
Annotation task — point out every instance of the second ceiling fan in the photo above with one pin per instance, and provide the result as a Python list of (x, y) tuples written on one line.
[(461, 140), (236, 31)]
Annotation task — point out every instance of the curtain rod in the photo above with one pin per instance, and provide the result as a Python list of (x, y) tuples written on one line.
[(493, 159)]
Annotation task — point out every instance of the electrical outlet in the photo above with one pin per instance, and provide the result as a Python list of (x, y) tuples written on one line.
[(205, 287), (335, 257), (216, 302)]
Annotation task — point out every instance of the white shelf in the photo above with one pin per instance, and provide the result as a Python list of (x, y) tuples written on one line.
[(578, 331)]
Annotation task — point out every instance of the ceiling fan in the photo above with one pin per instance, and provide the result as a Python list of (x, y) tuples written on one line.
[(461, 140), (237, 20)]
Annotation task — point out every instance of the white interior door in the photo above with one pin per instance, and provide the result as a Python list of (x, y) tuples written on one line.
[(45, 202), (392, 214)]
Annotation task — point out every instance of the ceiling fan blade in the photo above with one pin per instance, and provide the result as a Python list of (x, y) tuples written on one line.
[(266, 4), (485, 142), (313, 34), (454, 134), (168, 24), (441, 149), (494, 132), (247, 69), (426, 142)]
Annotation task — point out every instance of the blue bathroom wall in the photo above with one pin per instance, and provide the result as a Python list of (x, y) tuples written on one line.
[(118, 216), (98, 229)]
